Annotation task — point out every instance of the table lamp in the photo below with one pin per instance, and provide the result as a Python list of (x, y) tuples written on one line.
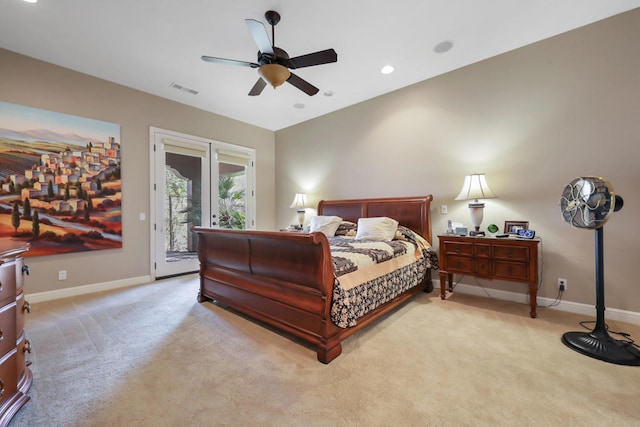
[(299, 202), (475, 187)]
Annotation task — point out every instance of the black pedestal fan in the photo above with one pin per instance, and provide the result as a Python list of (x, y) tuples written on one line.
[(587, 202)]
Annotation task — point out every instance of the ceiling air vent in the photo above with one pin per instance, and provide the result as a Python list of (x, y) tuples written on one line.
[(184, 89)]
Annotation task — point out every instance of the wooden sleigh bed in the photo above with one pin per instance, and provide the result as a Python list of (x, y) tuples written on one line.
[(286, 279)]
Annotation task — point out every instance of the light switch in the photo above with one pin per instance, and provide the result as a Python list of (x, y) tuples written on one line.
[(443, 209)]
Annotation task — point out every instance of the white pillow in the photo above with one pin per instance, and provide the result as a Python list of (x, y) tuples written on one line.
[(325, 224), (377, 228)]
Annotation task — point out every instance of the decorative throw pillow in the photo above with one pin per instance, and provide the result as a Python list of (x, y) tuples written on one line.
[(325, 224), (346, 228), (377, 228)]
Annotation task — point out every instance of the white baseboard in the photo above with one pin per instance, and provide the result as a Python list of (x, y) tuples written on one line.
[(569, 306), (572, 307), (86, 289)]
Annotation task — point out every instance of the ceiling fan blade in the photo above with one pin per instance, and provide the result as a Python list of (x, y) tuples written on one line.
[(260, 36), (316, 58), (303, 85), (257, 88), (230, 61)]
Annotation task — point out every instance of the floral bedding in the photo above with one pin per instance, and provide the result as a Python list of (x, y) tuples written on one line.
[(371, 273)]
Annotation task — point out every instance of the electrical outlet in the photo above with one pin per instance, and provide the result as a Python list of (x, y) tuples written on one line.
[(62, 275), (562, 284)]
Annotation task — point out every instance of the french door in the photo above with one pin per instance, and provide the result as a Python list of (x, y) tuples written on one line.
[(196, 182)]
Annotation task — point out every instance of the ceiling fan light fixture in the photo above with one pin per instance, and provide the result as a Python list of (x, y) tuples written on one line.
[(274, 74)]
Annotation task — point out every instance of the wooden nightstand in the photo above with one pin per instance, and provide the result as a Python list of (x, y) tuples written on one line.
[(510, 259)]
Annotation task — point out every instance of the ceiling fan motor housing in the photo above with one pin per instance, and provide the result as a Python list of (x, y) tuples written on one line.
[(273, 63)]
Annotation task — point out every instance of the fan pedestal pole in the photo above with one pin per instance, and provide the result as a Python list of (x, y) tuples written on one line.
[(598, 343)]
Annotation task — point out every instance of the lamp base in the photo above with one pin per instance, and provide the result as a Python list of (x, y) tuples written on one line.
[(476, 233)]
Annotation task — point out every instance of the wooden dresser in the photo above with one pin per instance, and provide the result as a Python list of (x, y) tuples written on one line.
[(510, 259), (15, 375)]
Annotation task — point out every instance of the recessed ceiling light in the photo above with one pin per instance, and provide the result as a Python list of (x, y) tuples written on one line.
[(31, 1), (443, 47), (328, 93), (387, 69), (299, 106)]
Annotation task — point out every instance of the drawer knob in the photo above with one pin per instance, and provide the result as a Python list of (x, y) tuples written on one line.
[(26, 306), (25, 269), (1, 387), (27, 347), (1, 335)]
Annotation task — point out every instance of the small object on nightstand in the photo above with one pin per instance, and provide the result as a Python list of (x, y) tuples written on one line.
[(502, 235), (526, 234), (449, 227), (461, 231)]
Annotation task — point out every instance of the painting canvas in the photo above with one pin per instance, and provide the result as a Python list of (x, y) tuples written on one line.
[(60, 181)]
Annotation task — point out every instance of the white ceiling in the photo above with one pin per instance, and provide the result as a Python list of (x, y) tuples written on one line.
[(148, 44)]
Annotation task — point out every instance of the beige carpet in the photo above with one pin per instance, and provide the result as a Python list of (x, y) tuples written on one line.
[(152, 356)]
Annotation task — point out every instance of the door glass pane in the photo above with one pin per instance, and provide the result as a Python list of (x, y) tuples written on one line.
[(182, 206), (232, 189)]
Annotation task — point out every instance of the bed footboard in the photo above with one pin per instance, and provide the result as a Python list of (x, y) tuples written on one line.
[(282, 279)]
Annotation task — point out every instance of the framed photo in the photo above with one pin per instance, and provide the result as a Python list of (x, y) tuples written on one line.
[(512, 227)]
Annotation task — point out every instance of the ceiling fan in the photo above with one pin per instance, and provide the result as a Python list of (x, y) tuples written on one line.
[(273, 63)]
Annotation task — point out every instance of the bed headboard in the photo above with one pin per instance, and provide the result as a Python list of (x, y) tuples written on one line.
[(412, 212)]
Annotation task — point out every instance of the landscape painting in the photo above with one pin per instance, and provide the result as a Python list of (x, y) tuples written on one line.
[(60, 181)]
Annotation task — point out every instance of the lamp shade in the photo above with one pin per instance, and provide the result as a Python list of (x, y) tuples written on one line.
[(475, 187), (275, 74), (299, 201)]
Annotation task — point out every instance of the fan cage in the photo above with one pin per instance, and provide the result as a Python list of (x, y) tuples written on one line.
[(587, 202)]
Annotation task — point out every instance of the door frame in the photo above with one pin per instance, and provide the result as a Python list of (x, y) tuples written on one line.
[(155, 136)]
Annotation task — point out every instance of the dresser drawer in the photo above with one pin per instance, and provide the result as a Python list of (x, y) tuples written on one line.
[(8, 377), (511, 252), (24, 375), (19, 263), (7, 282), (518, 271), (22, 307), (7, 328)]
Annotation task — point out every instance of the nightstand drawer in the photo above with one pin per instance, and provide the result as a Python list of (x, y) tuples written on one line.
[(483, 268), (482, 250), (459, 248), (511, 270), (511, 252), (460, 264)]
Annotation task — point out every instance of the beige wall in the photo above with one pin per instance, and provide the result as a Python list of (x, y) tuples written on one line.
[(37, 84), (531, 119)]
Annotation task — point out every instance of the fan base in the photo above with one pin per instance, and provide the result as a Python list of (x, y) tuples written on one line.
[(600, 345)]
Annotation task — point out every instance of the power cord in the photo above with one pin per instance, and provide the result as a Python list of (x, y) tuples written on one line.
[(555, 302)]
